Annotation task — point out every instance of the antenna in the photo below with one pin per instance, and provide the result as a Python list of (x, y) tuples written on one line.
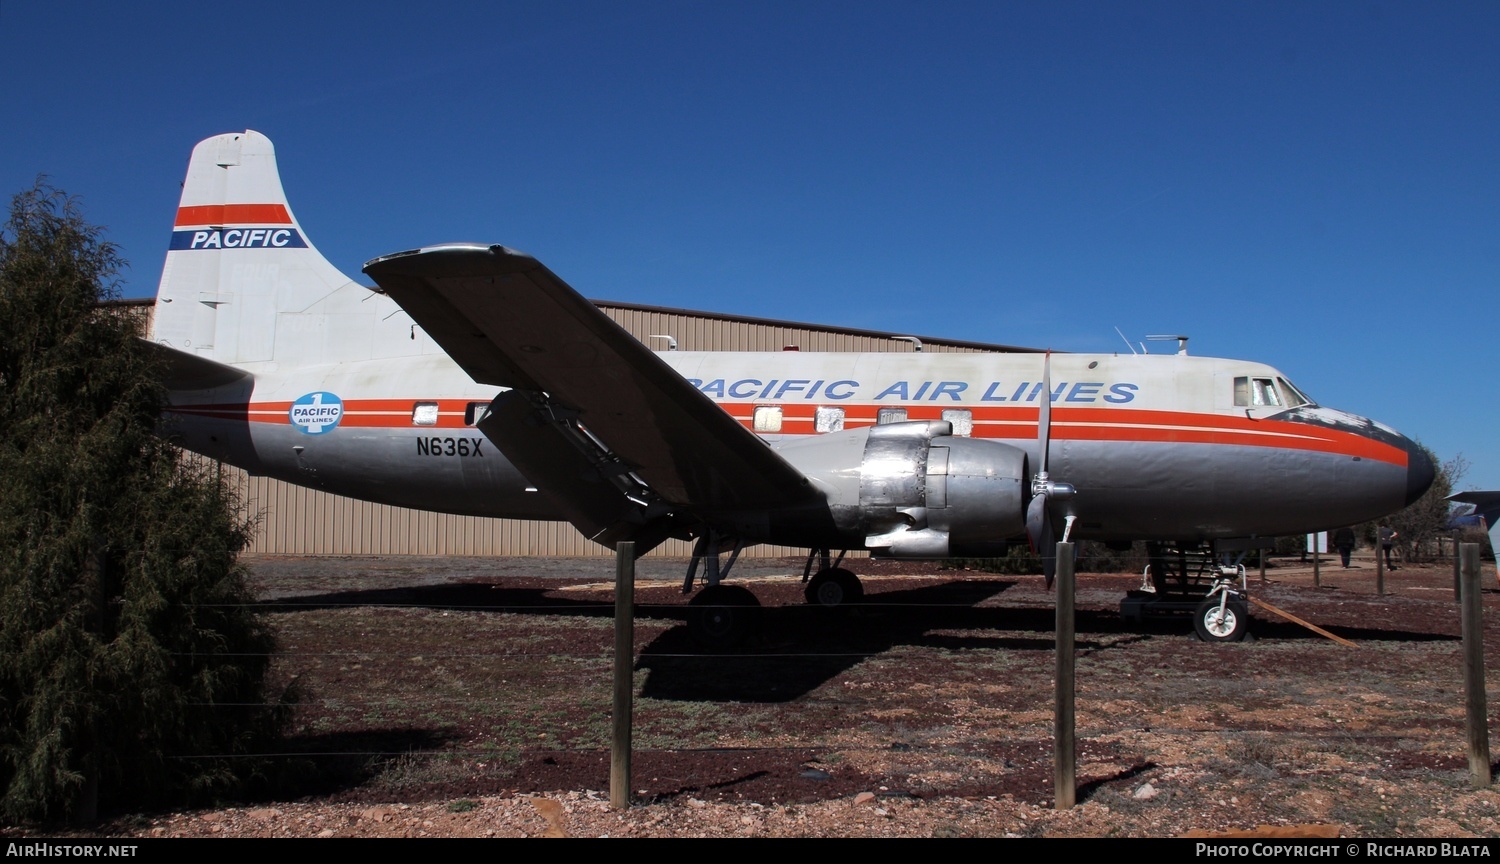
[(1127, 341), (1181, 341)]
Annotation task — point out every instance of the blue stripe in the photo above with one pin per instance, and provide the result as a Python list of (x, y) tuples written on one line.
[(238, 238)]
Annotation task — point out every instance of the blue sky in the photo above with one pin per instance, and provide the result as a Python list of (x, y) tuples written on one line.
[(1315, 185)]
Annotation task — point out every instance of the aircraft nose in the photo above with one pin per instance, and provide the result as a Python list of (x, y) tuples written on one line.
[(1419, 471)]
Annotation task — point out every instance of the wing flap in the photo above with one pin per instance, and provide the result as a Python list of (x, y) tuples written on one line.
[(584, 487), (509, 321)]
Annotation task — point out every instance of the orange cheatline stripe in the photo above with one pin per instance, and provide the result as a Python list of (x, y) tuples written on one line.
[(1124, 424), (360, 413), (233, 214), (1072, 424), (366, 421)]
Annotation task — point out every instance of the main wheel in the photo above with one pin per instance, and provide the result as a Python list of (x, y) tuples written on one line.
[(1230, 625), (833, 588), (722, 616)]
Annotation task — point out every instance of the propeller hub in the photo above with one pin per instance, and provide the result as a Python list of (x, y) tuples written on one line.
[(1054, 491)]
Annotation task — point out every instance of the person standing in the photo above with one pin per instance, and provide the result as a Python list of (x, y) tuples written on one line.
[(1388, 537), (1343, 540)]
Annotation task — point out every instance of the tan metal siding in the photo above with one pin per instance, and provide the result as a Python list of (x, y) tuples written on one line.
[(697, 333), (293, 520)]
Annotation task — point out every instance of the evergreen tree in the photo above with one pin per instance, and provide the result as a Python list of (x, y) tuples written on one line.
[(132, 661)]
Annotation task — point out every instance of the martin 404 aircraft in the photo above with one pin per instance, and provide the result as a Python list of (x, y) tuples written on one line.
[(475, 381)]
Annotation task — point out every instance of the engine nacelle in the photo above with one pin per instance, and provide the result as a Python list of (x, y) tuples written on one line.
[(915, 490)]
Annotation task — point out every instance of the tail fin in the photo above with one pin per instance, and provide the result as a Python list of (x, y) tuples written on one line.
[(238, 258)]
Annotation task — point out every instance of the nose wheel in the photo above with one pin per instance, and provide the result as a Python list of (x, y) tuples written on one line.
[(1219, 620)]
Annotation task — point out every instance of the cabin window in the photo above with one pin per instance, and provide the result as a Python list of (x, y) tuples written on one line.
[(829, 420), (768, 418), (1255, 393), (424, 414), (890, 415), (474, 412), (962, 420)]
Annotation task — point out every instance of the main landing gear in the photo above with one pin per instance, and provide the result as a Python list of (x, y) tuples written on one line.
[(721, 617), (832, 586)]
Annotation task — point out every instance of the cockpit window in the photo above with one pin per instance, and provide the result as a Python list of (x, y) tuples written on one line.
[(1255, 393), (1267, 393)]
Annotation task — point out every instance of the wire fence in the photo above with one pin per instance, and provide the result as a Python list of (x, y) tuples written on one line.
[(468, 678)]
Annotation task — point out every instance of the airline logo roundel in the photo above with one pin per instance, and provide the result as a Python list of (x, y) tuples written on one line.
[(317, 413)]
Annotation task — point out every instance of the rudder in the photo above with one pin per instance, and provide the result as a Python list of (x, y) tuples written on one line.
[(237, 257)]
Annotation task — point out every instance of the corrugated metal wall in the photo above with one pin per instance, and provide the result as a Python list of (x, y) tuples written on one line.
[(704, 332), (292, 520), (298, 521)]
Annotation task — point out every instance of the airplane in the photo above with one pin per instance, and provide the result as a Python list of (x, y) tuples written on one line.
[(473, 380), (1486, 508)]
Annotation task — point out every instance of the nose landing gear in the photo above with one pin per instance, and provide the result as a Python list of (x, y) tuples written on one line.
[(1193, 581), (1224, 616)]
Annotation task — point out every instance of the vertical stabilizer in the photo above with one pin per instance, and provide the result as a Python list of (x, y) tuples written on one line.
[(238, 258)]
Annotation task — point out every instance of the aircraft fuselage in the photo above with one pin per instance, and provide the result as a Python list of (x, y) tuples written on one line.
[(1156, 444)]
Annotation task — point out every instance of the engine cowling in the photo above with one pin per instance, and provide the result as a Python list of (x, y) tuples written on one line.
[(916, 490)]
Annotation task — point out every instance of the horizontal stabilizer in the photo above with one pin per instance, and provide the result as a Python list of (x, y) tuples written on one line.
[(184, 371)]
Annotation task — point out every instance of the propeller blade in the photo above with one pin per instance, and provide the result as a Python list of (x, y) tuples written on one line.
[(1041, 535), (1036, 520), (1038, 516), (1044, 413)]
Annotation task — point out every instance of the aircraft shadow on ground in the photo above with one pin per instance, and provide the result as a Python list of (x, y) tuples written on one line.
[(797, 648)]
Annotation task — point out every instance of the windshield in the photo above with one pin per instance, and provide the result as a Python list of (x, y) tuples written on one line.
[(1257, 392), (1294, 396)]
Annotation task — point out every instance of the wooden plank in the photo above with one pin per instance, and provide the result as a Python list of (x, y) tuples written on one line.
[(1295, 620)]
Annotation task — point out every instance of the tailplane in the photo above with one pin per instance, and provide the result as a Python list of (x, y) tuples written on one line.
[(238, 259)]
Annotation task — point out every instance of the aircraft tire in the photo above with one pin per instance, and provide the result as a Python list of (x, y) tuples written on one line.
[(834, 588), (720, 617), (1232, 627)]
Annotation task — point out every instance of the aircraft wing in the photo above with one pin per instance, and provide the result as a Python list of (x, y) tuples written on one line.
[(509, 321)]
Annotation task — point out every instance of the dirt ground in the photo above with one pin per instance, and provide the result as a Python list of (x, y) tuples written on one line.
[(472, 697)]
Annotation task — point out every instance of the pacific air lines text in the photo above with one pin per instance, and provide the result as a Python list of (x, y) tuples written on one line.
[(807, 389)]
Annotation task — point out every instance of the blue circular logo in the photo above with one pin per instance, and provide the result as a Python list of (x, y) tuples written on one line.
[(317, 413)]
